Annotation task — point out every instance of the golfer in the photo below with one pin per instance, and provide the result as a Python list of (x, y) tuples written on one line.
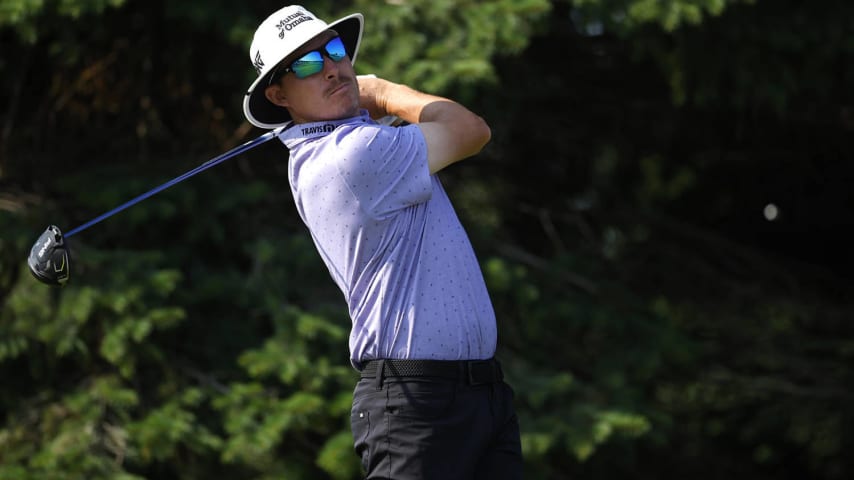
[(431, 402)]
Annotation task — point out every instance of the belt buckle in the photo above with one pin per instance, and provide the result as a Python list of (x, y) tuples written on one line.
[(470, 367)]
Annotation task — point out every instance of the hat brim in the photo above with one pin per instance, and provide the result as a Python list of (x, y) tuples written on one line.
[(260, 112)]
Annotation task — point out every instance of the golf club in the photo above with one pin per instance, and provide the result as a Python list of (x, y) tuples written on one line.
[(49, 259)]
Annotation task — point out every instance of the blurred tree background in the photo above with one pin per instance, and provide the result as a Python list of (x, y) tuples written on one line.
[(663, 217)]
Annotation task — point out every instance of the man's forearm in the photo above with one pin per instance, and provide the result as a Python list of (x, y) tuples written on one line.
[(452, 131), (382, 97)]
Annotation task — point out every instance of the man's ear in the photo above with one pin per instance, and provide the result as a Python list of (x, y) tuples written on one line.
[(276, 95)]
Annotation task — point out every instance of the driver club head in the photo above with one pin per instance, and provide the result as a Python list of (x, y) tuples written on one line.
[(49, 260)]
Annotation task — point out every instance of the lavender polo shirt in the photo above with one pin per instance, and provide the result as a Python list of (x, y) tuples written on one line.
[(391, 240)]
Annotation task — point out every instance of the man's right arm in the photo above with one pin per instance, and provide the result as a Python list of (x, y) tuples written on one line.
[(452, 131)]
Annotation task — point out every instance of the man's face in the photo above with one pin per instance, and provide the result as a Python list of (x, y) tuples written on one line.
[(330, 94)]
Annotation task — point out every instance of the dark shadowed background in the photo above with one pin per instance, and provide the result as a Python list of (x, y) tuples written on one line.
[(663, 216)]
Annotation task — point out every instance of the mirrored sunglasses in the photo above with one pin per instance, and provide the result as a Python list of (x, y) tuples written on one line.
[(311, 62)]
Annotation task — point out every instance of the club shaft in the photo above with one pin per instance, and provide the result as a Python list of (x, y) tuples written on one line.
[(210, 163)]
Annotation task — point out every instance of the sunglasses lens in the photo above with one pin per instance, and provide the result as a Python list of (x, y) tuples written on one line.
[(335, 49), (312, 62), (308, 64)]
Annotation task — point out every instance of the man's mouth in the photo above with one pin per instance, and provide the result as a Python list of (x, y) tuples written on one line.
[(338, 88)]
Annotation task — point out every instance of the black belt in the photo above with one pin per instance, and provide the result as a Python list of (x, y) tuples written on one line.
[(472, 372)]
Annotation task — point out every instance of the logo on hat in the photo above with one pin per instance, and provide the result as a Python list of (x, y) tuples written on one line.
[(258, 63), (291, 21)]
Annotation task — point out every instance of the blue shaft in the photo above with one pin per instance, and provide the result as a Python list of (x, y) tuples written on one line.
[(210, 163)]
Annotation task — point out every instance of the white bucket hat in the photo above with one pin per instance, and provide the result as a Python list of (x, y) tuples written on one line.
[(280, 35)]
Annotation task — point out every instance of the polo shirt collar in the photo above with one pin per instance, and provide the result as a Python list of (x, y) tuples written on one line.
[(308, 131)]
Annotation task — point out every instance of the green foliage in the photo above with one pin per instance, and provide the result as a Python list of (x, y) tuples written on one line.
[(164, 430), (337, 459), (25, 16), (439, 44), (627, 15), (68, 436), (201, 337), (570, 412)]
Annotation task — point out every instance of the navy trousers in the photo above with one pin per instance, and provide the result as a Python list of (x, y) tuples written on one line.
[(427, 428)]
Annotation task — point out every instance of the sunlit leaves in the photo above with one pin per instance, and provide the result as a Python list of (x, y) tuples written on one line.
[(76, 434), (257, 421), (442, 43), (165, 429), (336, 457)]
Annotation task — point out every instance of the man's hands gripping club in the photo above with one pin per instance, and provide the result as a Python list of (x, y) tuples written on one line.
[(452, 131)]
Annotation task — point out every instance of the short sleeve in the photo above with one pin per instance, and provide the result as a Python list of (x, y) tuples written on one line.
[(385, 168)]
